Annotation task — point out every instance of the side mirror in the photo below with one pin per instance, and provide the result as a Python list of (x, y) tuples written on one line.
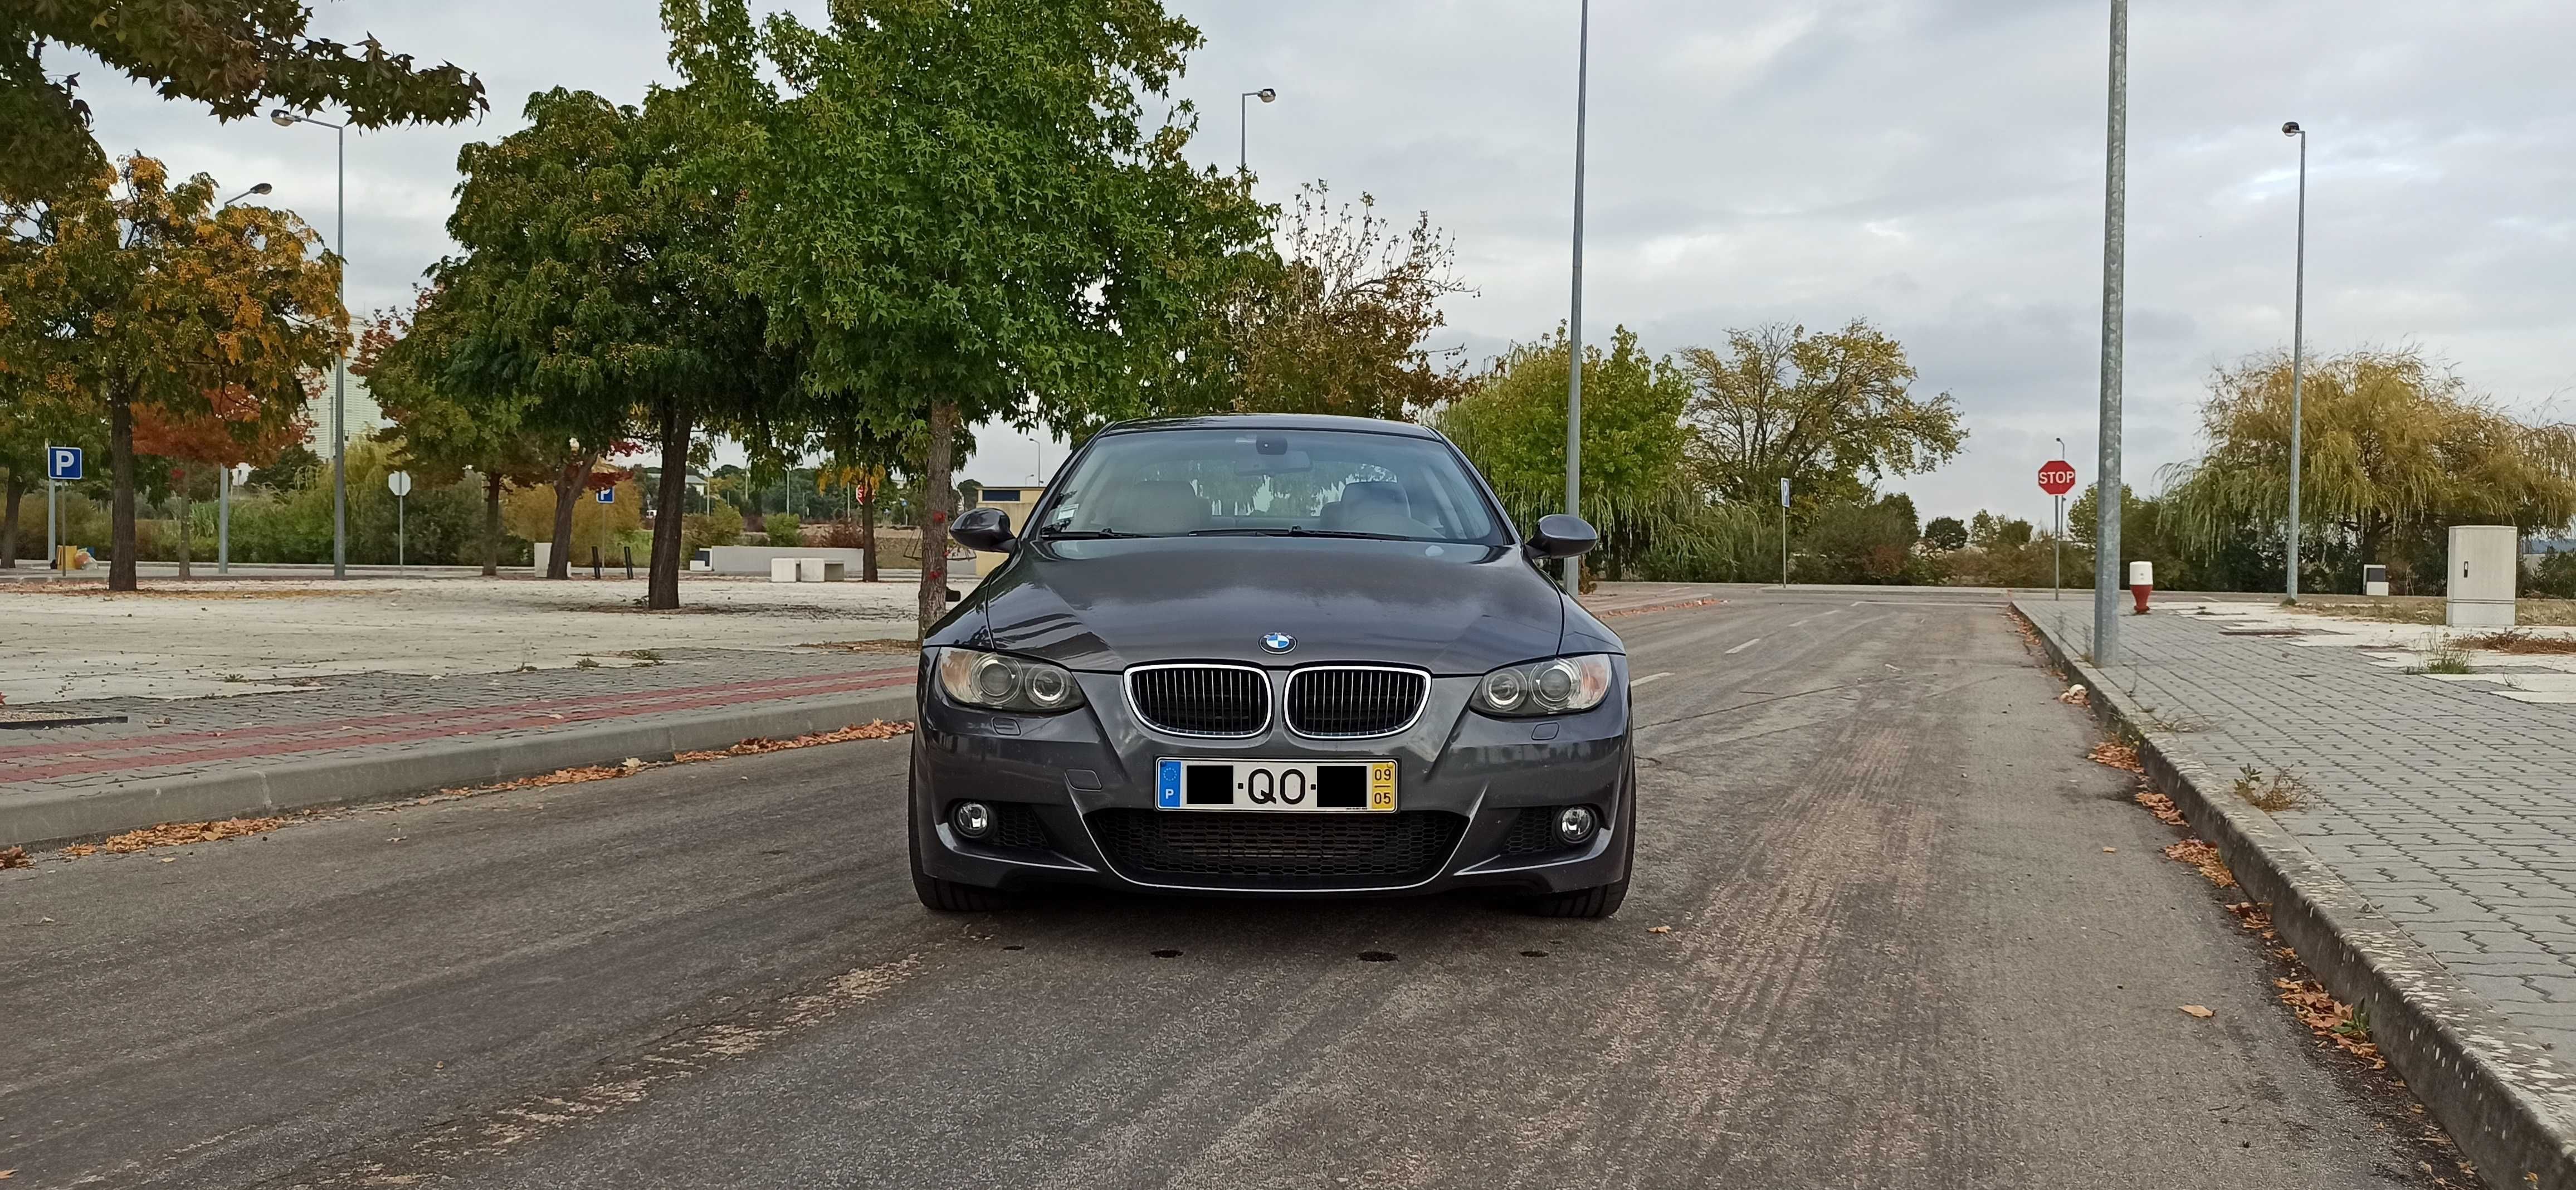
[(986, 529), (1560, 535)]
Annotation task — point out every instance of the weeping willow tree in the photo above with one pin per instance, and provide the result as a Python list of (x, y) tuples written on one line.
[(1636, 483), (2393, 450)]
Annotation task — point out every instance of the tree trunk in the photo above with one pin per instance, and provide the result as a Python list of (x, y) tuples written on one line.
[(569, 482), (120, 454), (491, 526), (662, 591), (16, 490), (936, 496), (868, 535), (185, 521)]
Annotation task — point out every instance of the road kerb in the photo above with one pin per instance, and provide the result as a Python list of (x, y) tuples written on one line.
[(253, 790), (2490, 1083)]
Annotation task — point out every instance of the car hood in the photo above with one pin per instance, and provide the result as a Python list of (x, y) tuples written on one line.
[(1105, 605)]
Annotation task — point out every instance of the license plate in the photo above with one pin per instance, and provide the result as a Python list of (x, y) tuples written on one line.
[(1325, 787)]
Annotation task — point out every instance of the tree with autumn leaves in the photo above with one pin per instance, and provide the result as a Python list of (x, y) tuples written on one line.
[(142, 300)]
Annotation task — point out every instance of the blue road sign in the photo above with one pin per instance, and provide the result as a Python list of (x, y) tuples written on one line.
[(63, 463), (606, 496)]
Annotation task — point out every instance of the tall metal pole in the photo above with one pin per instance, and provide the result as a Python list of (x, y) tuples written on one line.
[(340, 382), (2298, 335), (2115, 201), (53, 532), (224, 520), (1243, 125), (1574, 323)]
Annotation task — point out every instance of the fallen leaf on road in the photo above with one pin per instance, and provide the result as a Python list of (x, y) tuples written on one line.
[(2198, 1011), (2330, 1018), (174, 834), (2076, 696), (1659, 929), (15, 857), (169, 859), (2118, 756), (2199, 854), (2110, 851), (2160, 806), (633, 763)]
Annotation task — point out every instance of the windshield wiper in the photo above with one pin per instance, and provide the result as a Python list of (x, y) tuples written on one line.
[(1300, 531), (1055, 533)]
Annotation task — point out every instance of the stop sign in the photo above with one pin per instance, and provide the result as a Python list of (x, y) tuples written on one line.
[(2057, 477)]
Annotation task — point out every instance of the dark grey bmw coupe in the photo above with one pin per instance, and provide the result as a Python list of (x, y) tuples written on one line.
[(1272, 655)]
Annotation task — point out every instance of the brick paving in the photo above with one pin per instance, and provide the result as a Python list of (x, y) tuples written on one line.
[(2452, 810), (375, 714)]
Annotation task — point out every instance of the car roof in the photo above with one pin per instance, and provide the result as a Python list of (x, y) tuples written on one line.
[(1273, 421)]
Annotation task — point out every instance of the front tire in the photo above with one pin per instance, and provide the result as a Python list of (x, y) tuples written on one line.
[(938, 895), (1602, 900)]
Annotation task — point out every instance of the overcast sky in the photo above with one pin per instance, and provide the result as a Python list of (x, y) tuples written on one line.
[(1934, 166)]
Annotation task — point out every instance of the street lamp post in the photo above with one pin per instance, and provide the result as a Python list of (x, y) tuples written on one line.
[(2115, 209), (1243, 123), (224, 478), (2298, 334), (339, 367), (1574, 322)]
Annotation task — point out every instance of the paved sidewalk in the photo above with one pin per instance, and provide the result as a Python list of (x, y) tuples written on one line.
[(2450, 811)]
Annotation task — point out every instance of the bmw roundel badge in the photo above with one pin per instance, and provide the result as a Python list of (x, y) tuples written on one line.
[(1278, 642)]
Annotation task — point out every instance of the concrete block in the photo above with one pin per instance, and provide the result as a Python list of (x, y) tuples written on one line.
[(782, 570)]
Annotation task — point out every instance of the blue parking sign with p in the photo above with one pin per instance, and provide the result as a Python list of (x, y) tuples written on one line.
[(62, 462), (606, 496)]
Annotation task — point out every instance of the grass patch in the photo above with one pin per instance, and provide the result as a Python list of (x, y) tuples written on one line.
[(2272, 794), (2442, 657), (2430, 609), (2517, 640)]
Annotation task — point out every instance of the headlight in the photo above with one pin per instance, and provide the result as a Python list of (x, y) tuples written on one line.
[(1552, 687), (979, 679)]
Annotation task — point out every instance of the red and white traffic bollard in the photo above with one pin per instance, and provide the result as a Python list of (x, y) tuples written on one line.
[(2142, 580)]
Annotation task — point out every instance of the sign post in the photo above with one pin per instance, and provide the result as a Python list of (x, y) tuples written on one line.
[(399, 483), (2057, 477), (1784, 532), (62, 465)]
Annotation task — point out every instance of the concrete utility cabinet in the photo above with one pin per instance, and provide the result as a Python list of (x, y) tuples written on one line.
[(2374, 580), (2485, 561)]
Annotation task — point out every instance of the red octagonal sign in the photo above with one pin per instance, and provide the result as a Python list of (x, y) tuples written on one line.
[(2057, 477)]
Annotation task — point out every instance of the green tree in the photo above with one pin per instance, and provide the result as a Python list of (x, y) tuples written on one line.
[(1945, 533), (30, 420), (442, 429), (127, 290), (234, 56), (1860, 543), (1512, 425), (2394, 450), (965, 213), (1834, 413)]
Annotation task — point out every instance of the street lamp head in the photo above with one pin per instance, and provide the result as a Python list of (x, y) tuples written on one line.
[(262, 188), (2290, 129), (283, 118), (1268, 95)]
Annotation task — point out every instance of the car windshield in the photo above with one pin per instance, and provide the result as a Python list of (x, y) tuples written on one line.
[(1173, 483)]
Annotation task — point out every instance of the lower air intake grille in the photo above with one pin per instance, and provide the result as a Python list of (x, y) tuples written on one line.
[(1277, 850), (1533, 830), (1016, 825)]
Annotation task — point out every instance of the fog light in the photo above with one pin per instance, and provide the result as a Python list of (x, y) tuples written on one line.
[(974, 820), (1574, 824)]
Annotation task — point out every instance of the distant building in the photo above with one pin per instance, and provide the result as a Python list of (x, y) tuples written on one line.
[(365, 417)]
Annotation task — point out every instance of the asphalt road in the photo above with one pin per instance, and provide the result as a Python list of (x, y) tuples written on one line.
[(1899, 955)]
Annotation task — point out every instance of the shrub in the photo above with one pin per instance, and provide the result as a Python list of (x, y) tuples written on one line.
[(785, 530), (707, 530)]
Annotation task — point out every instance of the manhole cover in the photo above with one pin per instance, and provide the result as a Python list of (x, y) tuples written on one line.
[(38, 717)]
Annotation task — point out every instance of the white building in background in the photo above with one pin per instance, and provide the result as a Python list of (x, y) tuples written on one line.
[(365, 417)]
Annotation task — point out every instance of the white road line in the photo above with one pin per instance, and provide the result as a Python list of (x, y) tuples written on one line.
[(1633, 683), (1746, 645), (1811, 619)]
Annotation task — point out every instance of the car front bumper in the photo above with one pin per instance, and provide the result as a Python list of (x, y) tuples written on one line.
[(1079, 787)]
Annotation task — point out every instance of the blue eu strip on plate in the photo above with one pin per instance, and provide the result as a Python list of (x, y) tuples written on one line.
[(1167, 785)]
